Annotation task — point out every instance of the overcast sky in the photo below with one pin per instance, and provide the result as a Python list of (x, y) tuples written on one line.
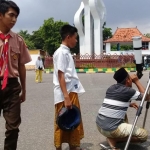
[(120, 13)]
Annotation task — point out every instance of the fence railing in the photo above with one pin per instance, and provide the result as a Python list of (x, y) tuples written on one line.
[(97, 61)]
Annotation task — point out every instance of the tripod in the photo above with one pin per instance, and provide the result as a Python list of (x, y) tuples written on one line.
[(138, 114)]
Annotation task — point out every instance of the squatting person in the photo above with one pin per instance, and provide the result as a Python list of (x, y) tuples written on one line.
[(111, 116)]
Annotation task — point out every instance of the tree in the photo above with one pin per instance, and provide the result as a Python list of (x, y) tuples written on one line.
[(107, 33), (148, 35), (37, 39), (50, 34), (26, 36), (30, 44)]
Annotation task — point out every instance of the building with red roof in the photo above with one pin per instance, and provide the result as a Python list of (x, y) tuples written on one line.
[(123, 36)]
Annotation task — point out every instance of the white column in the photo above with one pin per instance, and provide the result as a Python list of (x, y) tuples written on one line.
[(87, 28), (98, 12), (79, 25), (108, 48)]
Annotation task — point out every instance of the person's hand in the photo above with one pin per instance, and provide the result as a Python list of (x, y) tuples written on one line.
[(22, 97), (67, 102), (134, 78), (134, 105)]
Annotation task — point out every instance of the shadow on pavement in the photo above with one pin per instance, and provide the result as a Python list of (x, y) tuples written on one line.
[(87, 146), (132, 146)]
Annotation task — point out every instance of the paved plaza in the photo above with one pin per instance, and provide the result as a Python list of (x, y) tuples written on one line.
[(36, 130)]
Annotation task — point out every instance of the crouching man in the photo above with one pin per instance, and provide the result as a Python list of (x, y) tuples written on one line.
[(111, 116)]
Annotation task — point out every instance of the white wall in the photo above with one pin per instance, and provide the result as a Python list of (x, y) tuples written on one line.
[(108, 51), (34, 58), (144, 52)]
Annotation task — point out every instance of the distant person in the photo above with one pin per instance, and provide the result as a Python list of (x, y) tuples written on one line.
[(42, 55), (66, 88), (13, 57), (39, 67), (111, 115)]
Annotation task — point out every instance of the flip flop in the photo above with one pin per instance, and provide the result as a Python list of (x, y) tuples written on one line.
[(81, 148), (104, 147), (108, 148)]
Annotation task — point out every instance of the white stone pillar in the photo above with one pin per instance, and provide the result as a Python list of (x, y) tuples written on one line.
[(98, 12), (79, 25), (87, 28)]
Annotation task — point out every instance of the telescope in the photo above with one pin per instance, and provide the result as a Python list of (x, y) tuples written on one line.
[(137, 45)]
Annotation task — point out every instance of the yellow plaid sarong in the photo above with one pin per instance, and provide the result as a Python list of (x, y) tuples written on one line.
[(73, 137)]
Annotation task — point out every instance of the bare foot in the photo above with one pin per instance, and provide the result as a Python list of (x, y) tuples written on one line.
[(112, 143)]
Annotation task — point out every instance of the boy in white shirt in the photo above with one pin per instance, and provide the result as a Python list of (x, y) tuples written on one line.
[(66, 87)]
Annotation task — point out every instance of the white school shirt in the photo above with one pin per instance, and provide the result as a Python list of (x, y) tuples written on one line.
[(39, 63), (64, 62)]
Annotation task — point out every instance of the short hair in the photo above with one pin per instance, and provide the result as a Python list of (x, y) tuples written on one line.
[(67, 30), (5, 5)]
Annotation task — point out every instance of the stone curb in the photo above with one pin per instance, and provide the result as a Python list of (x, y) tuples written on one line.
[(96, 70)]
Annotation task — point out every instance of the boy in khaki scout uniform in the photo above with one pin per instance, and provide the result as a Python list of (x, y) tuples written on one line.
[(13, 57)]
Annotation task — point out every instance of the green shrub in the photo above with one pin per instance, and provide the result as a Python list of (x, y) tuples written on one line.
[(129, 65)]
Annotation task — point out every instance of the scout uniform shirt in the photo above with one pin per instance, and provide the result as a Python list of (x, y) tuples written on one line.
[(17, 54), (63, 61)]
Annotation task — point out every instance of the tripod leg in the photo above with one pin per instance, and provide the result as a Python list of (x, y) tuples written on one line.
[(137, 115), (147, 107)]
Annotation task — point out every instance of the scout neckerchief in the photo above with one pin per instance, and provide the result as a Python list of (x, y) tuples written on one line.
[(4, 59)]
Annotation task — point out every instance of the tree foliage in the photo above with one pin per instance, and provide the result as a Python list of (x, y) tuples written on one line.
[(107, 33), (27, 37), (51, 36), (122, 47), (148, 35), (47, 37), (37, 39)]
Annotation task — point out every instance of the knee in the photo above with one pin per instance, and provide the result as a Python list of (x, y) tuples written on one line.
[(143, 135)]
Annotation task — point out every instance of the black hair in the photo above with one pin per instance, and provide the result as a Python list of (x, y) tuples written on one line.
[(67, 30), (5, 5)]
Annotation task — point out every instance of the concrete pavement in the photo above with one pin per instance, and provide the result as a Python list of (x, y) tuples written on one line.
[(36, 130)]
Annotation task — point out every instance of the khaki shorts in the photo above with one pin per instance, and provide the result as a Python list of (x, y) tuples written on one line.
[(124, 130)]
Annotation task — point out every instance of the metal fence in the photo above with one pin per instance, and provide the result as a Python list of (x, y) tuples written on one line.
[(97, 61)]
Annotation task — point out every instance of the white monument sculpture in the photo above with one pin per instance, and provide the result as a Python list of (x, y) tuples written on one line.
[(91, 38)]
